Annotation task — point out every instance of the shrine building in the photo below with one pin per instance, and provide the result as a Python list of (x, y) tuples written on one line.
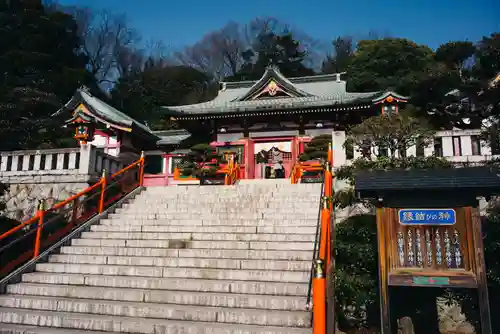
[(274, 114), (279, 115)]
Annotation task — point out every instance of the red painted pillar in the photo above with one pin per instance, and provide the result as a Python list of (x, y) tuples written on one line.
[(249, 159)]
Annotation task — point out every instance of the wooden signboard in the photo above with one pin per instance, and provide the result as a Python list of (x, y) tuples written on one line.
[(429, 231), (430, 247)]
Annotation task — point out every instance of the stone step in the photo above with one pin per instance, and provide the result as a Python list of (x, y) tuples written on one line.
[(181, 244), (231, 300), (235, 196), (171, 284), (140, 310), (191, 253), (216, 210), (206, 229), (199, 236), (256, 201), (233, 190), (176, 272), (214, 222), (213, 216), (25, 329), (94, 322), (237, 188), (178, 262)]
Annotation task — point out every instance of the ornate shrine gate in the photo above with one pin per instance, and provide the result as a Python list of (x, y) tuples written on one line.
[(429, 230)]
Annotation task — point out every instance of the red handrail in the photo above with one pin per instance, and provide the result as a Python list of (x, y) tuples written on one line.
[(301, 167), (41, 212), (232, 172), (324, 260)]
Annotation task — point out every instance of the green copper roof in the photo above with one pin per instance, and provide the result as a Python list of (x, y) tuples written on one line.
[(278, 103), (104, 111), (317, 91), (172, 137)]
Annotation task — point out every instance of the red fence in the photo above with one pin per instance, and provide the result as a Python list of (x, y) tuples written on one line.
[(28, 239)]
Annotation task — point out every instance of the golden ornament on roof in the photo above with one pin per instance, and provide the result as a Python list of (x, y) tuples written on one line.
[(272, 88)]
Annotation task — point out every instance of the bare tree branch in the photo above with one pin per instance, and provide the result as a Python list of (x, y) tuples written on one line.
[(108, 41), (221, 53), (217, 53)]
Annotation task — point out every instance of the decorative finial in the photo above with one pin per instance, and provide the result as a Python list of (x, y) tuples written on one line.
[(318, 269), (84, 88)]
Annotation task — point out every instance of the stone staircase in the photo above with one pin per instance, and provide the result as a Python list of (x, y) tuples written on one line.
[(184, 259)]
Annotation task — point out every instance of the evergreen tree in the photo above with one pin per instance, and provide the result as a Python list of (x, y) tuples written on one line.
[(317, 148), (202, 161), (41, 68)]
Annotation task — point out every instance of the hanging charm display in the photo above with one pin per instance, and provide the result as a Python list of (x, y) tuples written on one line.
[(458, 252), (439, 252), (411, 254), (401, 248), (447, 248), (428, 245), (418, 246)]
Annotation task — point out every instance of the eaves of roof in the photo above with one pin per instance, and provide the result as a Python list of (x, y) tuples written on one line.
[(286, 103)]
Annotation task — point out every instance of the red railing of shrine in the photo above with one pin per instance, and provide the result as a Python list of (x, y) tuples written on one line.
[(232, 172), (300, 168), (323, 246), (28, 239)]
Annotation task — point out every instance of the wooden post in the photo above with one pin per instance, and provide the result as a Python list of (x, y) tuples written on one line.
[(319, 299), (103, 191), (141, 170), (405, 326), (385, 319), (38, 237), (74, 212), (482, 283)]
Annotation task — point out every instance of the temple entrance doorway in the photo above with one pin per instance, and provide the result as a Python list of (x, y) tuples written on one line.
[(268, 154)]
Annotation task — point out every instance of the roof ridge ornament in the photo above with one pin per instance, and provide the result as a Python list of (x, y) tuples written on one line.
[(84, 88), (272, 67)]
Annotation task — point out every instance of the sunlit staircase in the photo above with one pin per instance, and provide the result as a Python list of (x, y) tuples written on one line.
[(186, 259)]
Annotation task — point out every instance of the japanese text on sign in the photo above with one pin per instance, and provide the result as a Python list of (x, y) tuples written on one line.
[(427, 216)]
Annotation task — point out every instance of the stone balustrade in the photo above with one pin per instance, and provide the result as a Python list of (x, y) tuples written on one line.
[(85, 160), (52, 175)]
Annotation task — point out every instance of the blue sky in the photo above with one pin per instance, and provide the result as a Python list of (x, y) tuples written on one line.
[(179, 23)]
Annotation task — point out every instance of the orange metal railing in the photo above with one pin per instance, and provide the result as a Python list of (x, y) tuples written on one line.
[(28, 239), (323, 248), (232, 172), (300, 168)]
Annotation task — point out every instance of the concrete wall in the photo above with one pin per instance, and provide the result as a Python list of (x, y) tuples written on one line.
[(446, 137), (464, 153), (52, 175)]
